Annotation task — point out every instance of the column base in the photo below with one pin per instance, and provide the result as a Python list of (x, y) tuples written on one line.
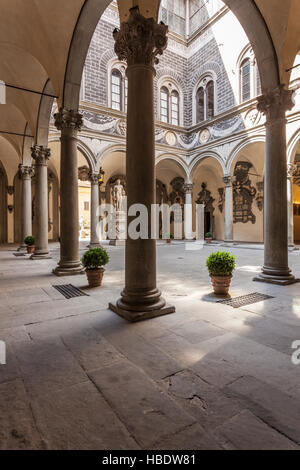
[(68, 269), (94, 245), (134, 316), (39, 256), (277, 280), (117, 242)]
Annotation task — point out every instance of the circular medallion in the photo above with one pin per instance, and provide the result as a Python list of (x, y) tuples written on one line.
[(171, 138), (204, 136)]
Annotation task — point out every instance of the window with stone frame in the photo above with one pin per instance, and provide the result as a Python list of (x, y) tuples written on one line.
[(245, 74), (205, 99), (164, 104), (170, 103), (175, 108), (116, 90)]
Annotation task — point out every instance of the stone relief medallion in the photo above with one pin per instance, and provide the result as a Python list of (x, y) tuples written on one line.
[(252, 117), (122, 127), (171, 138), (204, 136)]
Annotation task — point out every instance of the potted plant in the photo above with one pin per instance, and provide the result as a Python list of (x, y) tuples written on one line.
[(93, 260), (168, 237), (29, 242), (221, 265), (208, 237)]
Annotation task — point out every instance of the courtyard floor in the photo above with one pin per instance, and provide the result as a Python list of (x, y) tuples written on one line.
[(207, 377)]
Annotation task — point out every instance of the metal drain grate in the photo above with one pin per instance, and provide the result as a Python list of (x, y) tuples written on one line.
[(18, 255), (69, 291), (244, 300)]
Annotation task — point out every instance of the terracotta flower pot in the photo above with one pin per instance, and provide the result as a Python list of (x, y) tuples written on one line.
[(208, 240), (221, 284), (95, 277), (30, 249), (168, 241)]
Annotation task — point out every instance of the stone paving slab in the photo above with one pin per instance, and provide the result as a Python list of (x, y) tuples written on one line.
[(47, 366), (141, 352), (78, 418), (280, 410), (246, 432), (149, 413), (18, 430), (91, 349), (208, 404)]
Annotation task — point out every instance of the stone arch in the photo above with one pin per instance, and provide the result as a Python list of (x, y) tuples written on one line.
[(292, 145), (44, 115), (208, 154), (251, 19), (239, 148), (87, 153), (246, 12), (111, 149), (87, 22), (175, 158)]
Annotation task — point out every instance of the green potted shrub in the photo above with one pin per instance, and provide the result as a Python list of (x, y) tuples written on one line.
[(221, 265), (168, 237), (208, 237), (29, 242), (93, 260)]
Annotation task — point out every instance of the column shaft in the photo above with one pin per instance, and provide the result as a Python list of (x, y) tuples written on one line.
[(290, 211), (26, 216), (276, 269), (41, 156), (228, 213), (94, 178), (69, 122), (188, 212), (139, 41)]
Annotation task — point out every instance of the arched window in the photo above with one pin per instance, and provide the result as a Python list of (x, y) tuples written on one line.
[(205, 100), (175, 108), (200, 105), (245, 73), (169, 103), (116, 89), (164, 104), (210, 99)]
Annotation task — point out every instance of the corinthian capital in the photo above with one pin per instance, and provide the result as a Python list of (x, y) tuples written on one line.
[(68, 119), (26, 172), (227, 180), (140, 39), (40, 155), (94, 177), (275, 103)]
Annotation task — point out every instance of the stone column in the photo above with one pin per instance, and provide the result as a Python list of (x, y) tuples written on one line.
[(228, 213), (138, 42), (26, 173), (290, 181), (41, 156), (276, 269), (94, 179), (69, 122), (188, 212)]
